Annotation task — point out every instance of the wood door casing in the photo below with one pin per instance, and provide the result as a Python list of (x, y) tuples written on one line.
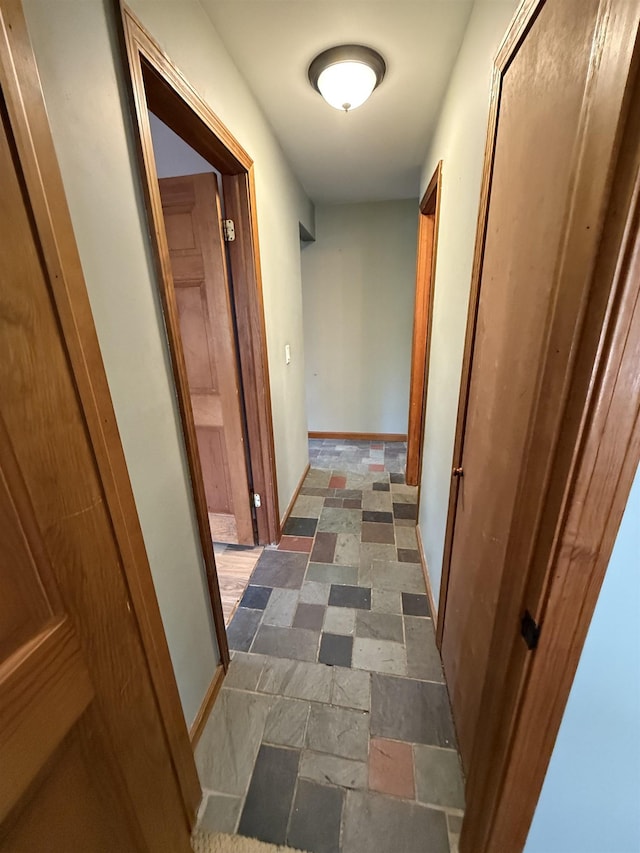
[(541, 104), (192, 217), (84, 759), (428, 221)]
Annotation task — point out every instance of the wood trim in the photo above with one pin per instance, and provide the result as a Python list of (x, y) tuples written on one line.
[(361, 436), (197, 727), (25, 104), (159, 85), (244, 260), (427, 579), (134, 39), (596, 454), (428, 225), (470, 334), (287, 512)]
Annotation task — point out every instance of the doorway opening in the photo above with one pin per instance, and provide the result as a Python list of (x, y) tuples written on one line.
[(198, 234), (423, 320), (205, 241)]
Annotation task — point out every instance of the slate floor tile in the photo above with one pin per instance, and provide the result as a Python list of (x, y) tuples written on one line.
[(402, 489), (242, 628), (376, 532), (318, 478), (335, 650), (406, 537), (351, 688), (229, 743), (308, 506), (221, 813), (347, 552), (296, 643), (378, 517), (281, 608), (401, 577), (405, 510), (287, 722), (316, 817), (337, 482), (266, 810), (332, 573), (349, 494), (256, 597), (423, 658), (379, 626), (309, 616), (314, 592), (379, 656), (350, 596), (413, 711), (300, 544), (415, 605), (438, 777), (296, 679), (333, 502), (280, 569), (300, 526), (335, 520), (374, 715), (378, 501), (340, 620), (408, 555), (371, 551), (324, 547), (377, 822), (244, 671), (386, 601), (338, 731), (391, 768), (332, 769)]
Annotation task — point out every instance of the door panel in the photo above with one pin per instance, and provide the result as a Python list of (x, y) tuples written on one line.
[(192, 215), (83, 756), (539, 122)]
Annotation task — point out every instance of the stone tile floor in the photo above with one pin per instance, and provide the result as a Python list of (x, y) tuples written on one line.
[(358, 457), (332, 732)]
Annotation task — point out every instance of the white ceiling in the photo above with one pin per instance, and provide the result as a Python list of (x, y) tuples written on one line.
[(375, 152)]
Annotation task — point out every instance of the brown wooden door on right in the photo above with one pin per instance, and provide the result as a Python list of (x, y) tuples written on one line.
[(193, 222), (534, 158)]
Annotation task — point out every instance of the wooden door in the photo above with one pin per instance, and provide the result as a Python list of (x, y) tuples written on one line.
[(84, 764), (193, 222), (550, 104)]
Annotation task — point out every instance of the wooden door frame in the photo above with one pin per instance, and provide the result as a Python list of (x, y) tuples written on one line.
[(590, 460), (156, 84), (428, 224), (43, 183)]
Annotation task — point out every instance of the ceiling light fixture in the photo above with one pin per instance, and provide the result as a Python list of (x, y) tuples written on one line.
[(346, 75)]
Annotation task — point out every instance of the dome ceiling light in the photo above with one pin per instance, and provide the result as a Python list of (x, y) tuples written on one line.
[(346, 75)]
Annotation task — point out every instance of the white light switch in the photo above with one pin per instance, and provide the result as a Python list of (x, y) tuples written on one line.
[(287, 354)]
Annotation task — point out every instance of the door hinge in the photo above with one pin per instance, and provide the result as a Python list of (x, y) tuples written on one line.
[(530, 630), (257, 500), (229, 230)]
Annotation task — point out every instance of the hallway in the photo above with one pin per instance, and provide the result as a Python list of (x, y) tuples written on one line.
[(332, 731)]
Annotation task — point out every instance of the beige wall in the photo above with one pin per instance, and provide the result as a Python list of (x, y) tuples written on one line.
[(358, 285), (459, 141), (76, 50)]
